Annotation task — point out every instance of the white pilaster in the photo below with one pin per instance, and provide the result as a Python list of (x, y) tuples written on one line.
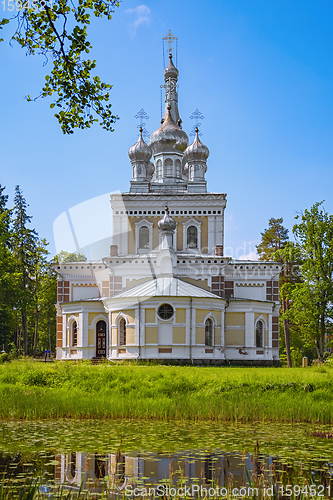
[(249, 329), (211, 234)]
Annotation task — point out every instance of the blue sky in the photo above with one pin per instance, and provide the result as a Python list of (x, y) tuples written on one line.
[(260, 71)]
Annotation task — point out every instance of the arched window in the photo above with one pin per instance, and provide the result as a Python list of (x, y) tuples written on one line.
[(168, 168), (158, 169), (192, 237), (178, 168), (260, 334), (209, 332), (143, 237), (74, 333), (122, 332)]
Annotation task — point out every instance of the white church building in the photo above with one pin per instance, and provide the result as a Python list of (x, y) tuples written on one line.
[(166, 291)]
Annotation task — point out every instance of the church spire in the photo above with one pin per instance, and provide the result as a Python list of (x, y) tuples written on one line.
[(170, 83)]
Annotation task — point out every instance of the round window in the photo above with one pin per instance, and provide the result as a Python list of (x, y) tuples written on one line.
[(165, 311)]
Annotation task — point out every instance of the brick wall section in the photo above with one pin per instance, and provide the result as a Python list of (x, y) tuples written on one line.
[(59, 331), (66, 291), (275, 331), (229, 288), (221, 287), (116, 285), (272, 293), (105, 288), (59, 291), (218, 285)]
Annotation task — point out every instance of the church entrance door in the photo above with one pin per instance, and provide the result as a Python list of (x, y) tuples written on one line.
[(101, 339)]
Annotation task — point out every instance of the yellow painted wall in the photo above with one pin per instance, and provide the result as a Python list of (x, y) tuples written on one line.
[(204, 234), (200, 283), (91, 337), (265, 316), (150, 315), (132, 283), (131, 234), (200, 315), (180, 315), (114, 336), (92, 316), (156, 235), (130, 335), (235, 337), (235, 319), (150, 468), (179, 334), (130, 315), (151, 334), (217, 336), (200, 335)]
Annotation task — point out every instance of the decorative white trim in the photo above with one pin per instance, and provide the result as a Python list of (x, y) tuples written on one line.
[(70, 323), (211, 316), (186, 225), (138, 225)]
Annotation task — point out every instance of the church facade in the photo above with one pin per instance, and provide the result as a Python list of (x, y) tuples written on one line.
[(167, 291)]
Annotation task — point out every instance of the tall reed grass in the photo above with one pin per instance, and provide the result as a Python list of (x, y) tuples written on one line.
[(31, 390)]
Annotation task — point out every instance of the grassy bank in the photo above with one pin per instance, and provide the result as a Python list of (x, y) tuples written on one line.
[(32, 390)]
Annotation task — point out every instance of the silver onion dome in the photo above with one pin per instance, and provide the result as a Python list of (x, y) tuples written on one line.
[(196, 150), (150, 170), (169, 137), (140, 151), (171, 71), (166, 224)]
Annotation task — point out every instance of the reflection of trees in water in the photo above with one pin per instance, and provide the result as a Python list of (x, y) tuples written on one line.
[(11, 464)]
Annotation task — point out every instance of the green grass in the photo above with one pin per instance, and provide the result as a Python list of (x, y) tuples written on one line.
[(31, 390)]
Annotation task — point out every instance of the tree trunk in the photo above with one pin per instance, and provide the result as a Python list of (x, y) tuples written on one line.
[(25, 333), (286, 331), (36, 333)]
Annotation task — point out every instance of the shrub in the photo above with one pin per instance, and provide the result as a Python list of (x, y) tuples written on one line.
[(4, 357)]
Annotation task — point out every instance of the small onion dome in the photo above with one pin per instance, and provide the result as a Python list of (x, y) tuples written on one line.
[(140, 151), (171, 71), (196, 150), (166, 223), (150, 170), (168, 137)]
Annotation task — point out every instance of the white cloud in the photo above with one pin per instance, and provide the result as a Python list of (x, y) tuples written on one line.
[(249, 256), (142, 15)]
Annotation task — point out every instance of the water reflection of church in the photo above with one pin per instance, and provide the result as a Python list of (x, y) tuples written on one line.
[(167, 291), (116, 471)]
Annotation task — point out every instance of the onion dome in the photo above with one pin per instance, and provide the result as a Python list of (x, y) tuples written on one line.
[(166, 224), (150, 170), (171, 71), (196, 151), (140, 151), (169, 137)]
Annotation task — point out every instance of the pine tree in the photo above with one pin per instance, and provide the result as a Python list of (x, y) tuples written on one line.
[(24, 244), (8, 276), (273, 238)]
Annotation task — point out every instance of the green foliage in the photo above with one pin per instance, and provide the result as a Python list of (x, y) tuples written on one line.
[(273, 238), (313, 297), (64, 256), (4, 357), (80, 98), (27, 282)]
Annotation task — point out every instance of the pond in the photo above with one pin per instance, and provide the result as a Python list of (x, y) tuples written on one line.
[(136, 458)]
